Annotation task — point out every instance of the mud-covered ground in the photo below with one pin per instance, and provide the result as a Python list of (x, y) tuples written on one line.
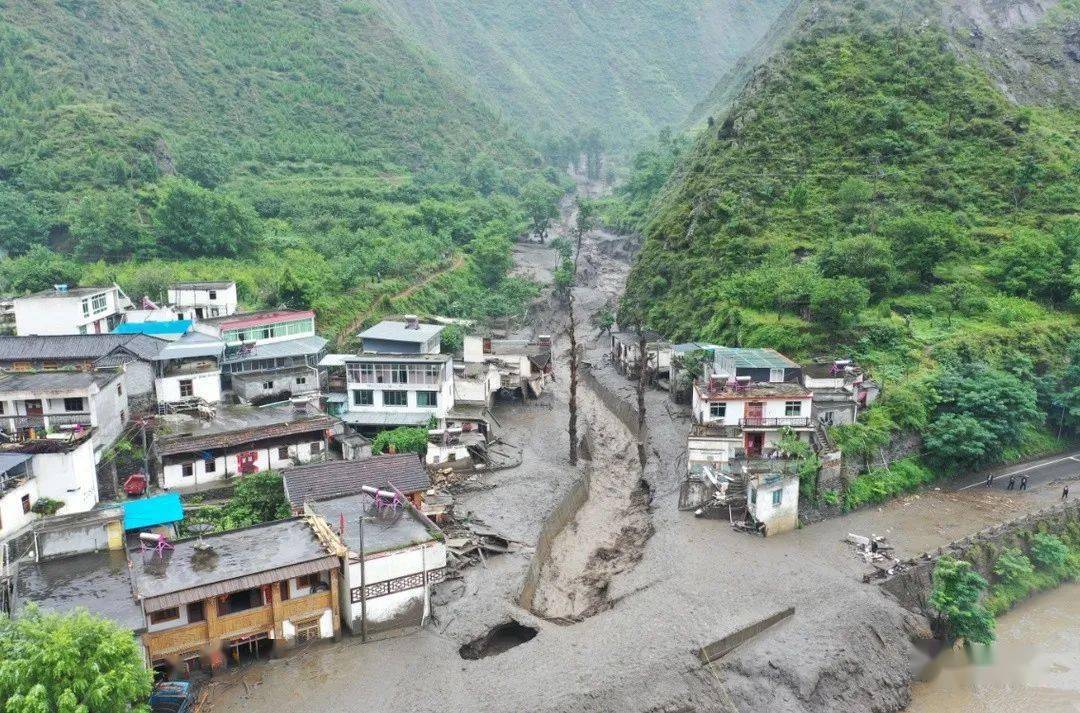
[(650, 584)]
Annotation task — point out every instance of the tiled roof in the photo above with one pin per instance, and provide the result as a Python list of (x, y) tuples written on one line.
[(77, 346), (254, 319), (335, 479), (48, 381), (193, 442), (301, 346)]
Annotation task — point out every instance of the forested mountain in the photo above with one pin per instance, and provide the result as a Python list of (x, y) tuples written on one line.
[(624, 68), (874, 192)]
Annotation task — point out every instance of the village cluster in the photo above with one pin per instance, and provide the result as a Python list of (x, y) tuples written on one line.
[(749, 406), (205, 395)]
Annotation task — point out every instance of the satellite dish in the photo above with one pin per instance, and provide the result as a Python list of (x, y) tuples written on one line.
[(200, 529)]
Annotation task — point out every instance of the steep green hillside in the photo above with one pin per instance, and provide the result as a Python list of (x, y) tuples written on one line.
[(625, 68), (872, 194), (190, 132)]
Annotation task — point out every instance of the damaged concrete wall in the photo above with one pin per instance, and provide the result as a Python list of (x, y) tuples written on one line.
[(911, 586), (624, 411), (556, 521)]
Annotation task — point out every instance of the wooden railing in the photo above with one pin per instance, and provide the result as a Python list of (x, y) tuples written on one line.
[(245, 622), (305, 606), (177, 640)]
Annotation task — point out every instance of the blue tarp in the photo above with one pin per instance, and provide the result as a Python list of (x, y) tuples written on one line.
[(176, 326), (150, 512)]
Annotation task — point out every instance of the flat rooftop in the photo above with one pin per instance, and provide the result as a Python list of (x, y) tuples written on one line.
[(746, 358), (98, 582), (201, 285), (72, 292), (255, 319), (229, 559), (393, 331), (391, 531)]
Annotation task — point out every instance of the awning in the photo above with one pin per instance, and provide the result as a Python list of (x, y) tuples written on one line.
[(150, 512)]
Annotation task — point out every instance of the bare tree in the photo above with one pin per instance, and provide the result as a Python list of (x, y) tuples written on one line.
[(643, 378), (582, 226)]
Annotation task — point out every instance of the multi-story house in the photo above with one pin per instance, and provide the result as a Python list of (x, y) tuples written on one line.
[(188, 371), (59, 467), (70, 310), (269, 354), (205, 603), (34, 405), (399, 378), (203, 300), (746, 401)]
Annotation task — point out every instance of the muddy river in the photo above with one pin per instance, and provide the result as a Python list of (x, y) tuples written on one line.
[(1034, 665)]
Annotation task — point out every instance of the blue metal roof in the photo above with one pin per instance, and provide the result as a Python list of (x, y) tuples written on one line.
[(149, 512), (176, 326)]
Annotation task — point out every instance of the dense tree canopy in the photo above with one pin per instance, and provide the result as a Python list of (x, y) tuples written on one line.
[(72, 663)]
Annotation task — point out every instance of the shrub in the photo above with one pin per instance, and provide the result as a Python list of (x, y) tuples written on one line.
[(1013, 566), (881, 484), (956, 594), (1049, 552), (404, 440)]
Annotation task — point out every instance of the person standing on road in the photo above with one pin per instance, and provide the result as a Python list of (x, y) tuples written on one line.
[(989, 479), (1012, 482), (1023, 482), (1065, 493)]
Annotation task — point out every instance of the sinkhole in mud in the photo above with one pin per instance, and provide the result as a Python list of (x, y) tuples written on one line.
[(499, 639)]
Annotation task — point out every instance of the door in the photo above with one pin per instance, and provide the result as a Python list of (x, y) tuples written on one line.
[(755, 410), (754, 442), (33, 407)]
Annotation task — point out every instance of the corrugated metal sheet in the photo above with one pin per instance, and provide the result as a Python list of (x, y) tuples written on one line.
[(75, 347), (333, 479), (195, 594), (193, 442)]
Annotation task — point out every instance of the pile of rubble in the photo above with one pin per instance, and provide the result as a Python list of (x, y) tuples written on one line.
[(877, 552), (471, 542)]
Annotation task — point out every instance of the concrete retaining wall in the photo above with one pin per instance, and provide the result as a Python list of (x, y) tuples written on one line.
[(624, 411), (555, 522), (912, 585)]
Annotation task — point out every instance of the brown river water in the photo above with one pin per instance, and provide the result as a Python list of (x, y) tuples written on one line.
[(1033, 666)]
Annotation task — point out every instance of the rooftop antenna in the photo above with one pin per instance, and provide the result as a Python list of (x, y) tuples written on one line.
[(200, 529)]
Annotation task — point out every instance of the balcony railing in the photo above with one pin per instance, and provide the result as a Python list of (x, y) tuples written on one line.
[(244, 623), (177, 640), (47, 421), (310, 605), (783, 422)]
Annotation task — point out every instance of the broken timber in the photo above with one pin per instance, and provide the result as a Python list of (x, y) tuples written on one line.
[(729, 643)]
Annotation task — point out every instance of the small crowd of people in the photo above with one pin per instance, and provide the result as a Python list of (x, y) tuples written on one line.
[(1023, 484)]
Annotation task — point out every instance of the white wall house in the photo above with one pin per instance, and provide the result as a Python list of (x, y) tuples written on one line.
[(384, 390), (757, 414), (407, 337), (258, 328), (189, 370), (203, 300), (75, 310), (18, 493), (401, 560), (35, 404), (239, 441), (60, 469)]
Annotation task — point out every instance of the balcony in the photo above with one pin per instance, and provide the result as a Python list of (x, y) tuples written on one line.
[(48, 422), (249, 621), (301, 607), (178, 640), (782, 422)]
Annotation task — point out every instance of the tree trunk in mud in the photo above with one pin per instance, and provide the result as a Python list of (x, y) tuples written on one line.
[(643, 376), (572, 428)]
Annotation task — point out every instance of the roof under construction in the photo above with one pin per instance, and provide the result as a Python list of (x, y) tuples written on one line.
[(333, 479)]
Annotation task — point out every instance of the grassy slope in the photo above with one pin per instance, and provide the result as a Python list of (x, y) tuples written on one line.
[(628, 68), (730, 250)]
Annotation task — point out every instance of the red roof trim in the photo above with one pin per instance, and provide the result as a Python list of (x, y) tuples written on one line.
[(257, 320)]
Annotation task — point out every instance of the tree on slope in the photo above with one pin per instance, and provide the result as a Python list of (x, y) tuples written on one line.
[(71, 663), (541, 202), (956, 593)]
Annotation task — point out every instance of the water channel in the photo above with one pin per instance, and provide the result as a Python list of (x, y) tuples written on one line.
[(1033, 666)]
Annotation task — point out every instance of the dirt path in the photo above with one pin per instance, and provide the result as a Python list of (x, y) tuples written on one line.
[(355, 325)]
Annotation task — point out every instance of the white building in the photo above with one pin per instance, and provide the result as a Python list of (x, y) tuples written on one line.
[(190, 451), (517, 364), (388, 390), (75, 310), (36, 405), (189, 370), (203, 300), (407, 337), (60, 468), (400, 560)]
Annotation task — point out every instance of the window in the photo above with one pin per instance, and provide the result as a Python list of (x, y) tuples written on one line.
[(160, 617), (99, 303), (1, 407), (793, 408), (307, 632), (86, 308), (187, 470), (73, 403), (50, 366), (429, 399), (300, 380), (22, 366), (777, 497), (119, 389), (395, 398), (210, 465), (316, 448), (283, 587), (718, 409), (307, 581), (283, 453), (26, 503), (213, 294), (268, 385), (195, 612), (187, 388), (753, 496), (363, 397), (82, 329)]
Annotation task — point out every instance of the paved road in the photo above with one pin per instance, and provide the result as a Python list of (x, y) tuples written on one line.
[(1045, 470)]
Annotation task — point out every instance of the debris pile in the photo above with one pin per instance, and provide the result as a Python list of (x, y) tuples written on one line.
[(471, 542), (877, 552)]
